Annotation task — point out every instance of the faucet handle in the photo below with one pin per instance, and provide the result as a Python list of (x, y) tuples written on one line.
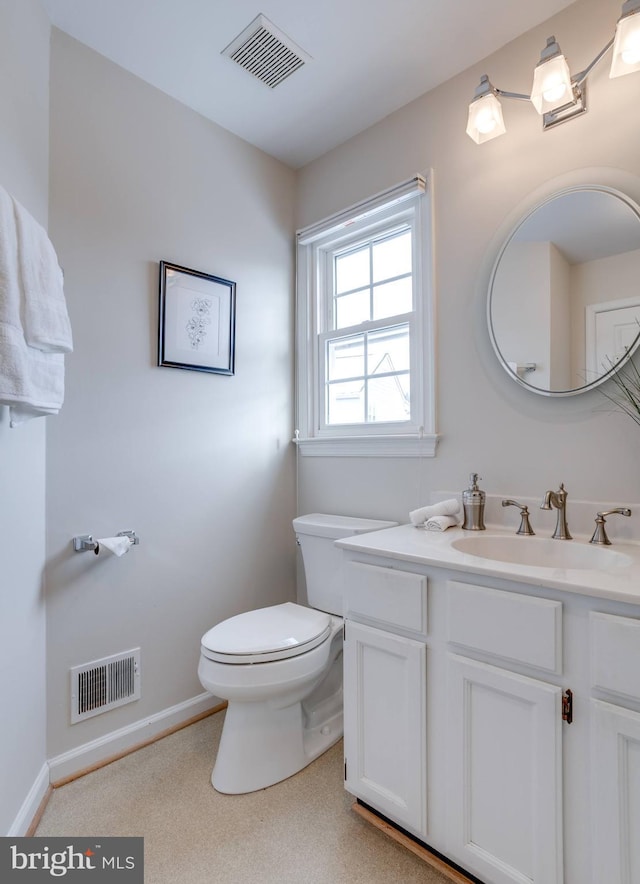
[(525, 525), (600, 535)]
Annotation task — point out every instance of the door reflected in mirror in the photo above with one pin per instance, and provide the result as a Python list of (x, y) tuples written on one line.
[(564, 294)]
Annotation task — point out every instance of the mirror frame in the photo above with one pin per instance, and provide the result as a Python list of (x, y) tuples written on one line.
[(599, 188)]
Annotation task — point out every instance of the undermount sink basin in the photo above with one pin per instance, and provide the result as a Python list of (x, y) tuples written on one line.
[(542, 552)]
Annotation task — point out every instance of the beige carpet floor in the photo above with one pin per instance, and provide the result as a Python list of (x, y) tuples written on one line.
[(300, 830)]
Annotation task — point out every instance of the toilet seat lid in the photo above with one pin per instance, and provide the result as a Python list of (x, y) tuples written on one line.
[(269, 633)]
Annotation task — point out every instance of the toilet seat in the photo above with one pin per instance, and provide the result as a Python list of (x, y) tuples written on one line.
[(273, 633)]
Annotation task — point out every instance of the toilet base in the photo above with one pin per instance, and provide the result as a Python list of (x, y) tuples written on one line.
[(262, 745)]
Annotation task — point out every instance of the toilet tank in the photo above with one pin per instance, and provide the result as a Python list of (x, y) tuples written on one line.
[(322, 560)]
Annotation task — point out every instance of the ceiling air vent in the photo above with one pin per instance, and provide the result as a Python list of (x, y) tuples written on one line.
[(267, 53)]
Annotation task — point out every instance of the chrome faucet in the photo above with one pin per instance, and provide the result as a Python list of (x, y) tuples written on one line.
[(558, 500)]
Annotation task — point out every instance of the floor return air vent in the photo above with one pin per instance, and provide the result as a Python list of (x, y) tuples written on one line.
[(104, 684)]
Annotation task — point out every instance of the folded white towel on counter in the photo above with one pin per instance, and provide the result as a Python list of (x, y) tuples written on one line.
[(449, 507), (441, 523), (45, 320)]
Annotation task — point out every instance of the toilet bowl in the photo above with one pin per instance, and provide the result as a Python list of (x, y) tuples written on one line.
[(280, 669), (269, 731)]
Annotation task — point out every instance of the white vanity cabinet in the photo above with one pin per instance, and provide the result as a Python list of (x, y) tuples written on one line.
[(504, 753), (385, 692), (385, 741), (616, 798), (456, 723), (615, 747)]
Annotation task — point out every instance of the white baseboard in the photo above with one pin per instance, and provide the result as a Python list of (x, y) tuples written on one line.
[(31, 803), (93, 753)]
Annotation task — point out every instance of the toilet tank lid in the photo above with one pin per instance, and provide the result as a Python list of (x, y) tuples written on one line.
[(324, 525)]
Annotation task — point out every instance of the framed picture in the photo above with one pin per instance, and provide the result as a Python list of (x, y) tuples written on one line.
[(196, 325)]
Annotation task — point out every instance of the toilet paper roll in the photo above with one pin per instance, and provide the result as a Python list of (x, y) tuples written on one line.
[(116, 545)]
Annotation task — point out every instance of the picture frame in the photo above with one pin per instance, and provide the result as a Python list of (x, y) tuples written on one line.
[(196, 320)]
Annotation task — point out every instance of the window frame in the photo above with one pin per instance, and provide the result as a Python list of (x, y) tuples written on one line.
[(407, 204)]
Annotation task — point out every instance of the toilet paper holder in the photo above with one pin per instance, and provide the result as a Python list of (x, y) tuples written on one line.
[(86, 543)]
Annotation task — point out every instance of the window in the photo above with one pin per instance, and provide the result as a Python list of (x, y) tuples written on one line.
[(364, 329)]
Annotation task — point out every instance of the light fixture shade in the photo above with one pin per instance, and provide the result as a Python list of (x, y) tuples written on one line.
[(551, 84), (485, 119), (626, 44)]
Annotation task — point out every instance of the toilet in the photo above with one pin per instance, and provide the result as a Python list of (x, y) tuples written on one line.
[(280, 669)]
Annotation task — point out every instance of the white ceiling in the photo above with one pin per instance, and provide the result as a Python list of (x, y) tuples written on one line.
[(585, 225), (369, 57)]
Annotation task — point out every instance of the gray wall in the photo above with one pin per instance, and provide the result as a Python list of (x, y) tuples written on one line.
[(200, 465), (520, 443), (24, 103)]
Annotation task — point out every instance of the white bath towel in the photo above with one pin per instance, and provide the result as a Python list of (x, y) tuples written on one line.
[(45, 320), (31, 381), (441, 523), (9, 283), (449, 507)]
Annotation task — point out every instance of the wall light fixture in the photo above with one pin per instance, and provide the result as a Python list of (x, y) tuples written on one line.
[(555, 94)]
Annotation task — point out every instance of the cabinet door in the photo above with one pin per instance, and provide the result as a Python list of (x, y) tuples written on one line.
[(384, 723), (616, 794), (504, 814)]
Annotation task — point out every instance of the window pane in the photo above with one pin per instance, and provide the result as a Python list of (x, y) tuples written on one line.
[(389, 399), (388, 350), (345, 358), (352, 309), (360, 390), (345, 402), (392, 257), (392, 298), (352, 270)]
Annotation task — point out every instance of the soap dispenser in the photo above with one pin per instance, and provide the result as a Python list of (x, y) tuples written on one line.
[(473, 504)]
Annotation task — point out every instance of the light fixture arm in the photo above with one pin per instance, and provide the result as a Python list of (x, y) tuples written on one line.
[(579, 79), (517, 95)]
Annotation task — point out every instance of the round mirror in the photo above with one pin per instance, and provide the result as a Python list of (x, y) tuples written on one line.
[(564, 293)]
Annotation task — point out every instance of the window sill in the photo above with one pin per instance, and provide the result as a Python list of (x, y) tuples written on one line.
[(369, 446)]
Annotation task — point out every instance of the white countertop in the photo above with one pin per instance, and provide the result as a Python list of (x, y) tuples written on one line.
[(407, 543)]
